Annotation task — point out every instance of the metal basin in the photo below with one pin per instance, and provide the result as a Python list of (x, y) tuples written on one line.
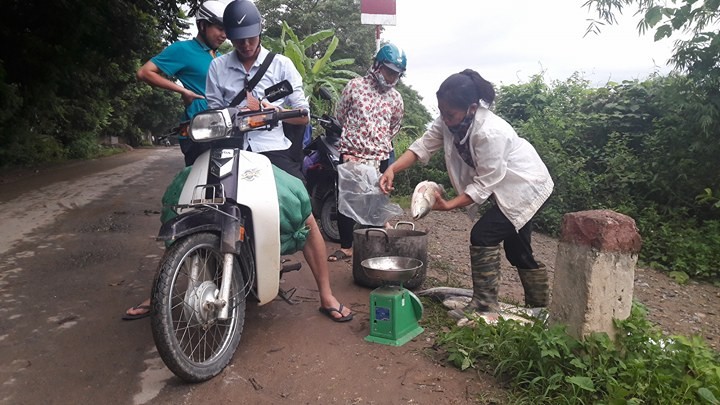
[(391, 269), (377, 242)]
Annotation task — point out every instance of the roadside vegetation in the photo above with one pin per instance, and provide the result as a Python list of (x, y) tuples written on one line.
[(538, 364), (544, 365)]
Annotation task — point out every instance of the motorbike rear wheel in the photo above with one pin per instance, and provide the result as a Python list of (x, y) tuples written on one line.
[(328, 218), (192, 342)]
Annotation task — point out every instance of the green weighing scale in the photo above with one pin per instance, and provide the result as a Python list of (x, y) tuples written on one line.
[(394, 310)]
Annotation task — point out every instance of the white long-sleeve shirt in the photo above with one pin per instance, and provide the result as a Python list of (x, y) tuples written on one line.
[(226, 78), (506, 165)]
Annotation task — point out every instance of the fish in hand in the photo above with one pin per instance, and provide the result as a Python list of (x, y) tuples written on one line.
[(423, 198)]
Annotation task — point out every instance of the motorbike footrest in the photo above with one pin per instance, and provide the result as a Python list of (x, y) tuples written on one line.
[(286, 268)]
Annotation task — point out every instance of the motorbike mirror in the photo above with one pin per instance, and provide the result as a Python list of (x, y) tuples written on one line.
[(278, 91), (325, 94)]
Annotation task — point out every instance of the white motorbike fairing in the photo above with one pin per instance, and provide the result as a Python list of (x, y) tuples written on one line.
[(256, 191)]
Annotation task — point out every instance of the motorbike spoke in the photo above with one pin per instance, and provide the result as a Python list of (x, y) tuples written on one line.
[(200, 336)]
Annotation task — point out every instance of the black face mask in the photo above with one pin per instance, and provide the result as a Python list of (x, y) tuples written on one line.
[(462, 128)]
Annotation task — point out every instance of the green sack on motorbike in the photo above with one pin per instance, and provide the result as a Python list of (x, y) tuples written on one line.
[(172, 195), (293, 199), (295, 208)]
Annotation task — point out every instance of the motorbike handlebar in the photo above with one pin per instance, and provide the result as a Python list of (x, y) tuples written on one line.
[(283, 115)]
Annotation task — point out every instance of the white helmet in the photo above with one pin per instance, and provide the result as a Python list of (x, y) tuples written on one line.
[(211, 11)]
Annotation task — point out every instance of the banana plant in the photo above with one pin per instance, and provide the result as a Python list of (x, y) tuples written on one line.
[(316, 67)]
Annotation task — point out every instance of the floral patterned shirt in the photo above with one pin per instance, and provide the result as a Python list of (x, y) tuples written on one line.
[(370, 118)]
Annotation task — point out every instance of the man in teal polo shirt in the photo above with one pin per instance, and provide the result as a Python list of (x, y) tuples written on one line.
[(188, 61)]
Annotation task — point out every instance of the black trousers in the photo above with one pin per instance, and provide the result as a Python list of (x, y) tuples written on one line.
[(494, 227)]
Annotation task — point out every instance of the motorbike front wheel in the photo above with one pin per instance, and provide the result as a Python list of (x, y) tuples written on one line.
[(192, 342)]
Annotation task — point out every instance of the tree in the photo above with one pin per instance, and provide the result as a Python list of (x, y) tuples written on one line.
[(316, 68), (699, 55), (308, 17), (65, 80)]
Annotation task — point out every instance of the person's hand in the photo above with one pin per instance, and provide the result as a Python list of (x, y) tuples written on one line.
[(188, 96), (440, 203), (252, 102), (351, 158), (386, 181), (268, 106)]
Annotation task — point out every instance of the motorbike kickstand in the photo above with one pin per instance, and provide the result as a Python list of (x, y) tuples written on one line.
[(287, 295)]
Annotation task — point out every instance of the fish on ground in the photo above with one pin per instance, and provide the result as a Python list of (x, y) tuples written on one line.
[(423, 198), (443, 293), (491, 318), (458, 298)]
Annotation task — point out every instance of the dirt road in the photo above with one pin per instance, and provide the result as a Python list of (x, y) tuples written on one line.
[(77, 248)]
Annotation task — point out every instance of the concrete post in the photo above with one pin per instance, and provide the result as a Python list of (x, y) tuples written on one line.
[(594, 271)]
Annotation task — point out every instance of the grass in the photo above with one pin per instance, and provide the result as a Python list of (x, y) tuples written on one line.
[(105, 151), (446, 268), (402, 200), (435, 316)]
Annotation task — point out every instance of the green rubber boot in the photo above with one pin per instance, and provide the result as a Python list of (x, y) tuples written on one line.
[(485, 266), (536, 286)]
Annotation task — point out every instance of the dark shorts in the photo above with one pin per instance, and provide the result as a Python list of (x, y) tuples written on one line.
[(284, 160), (191, 150)]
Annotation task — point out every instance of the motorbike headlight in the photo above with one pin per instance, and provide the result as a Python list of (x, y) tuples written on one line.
[(210, 125)]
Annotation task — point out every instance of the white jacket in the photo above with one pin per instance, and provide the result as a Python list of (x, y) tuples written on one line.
[(505, 165)]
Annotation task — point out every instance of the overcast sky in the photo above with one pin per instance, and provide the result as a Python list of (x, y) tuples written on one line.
[(508, 41)]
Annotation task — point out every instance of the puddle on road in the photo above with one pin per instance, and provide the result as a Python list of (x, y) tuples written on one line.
[(153, 379)]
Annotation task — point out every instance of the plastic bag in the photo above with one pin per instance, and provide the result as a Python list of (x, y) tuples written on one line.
[(360, 197)]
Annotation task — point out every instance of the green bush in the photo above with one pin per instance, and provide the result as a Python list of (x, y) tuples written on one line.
[(83, 148), (547, 366), (30, 149), (644, 149)]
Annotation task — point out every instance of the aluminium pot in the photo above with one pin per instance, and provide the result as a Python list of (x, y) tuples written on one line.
[(377, 242)]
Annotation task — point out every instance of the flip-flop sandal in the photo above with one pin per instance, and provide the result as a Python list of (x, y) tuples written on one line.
[(131, 317), (329, 311), (338, 255)]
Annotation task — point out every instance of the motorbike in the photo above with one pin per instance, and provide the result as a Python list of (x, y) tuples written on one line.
[(320, 169), (172, 136), (161, 140), (224, 246)]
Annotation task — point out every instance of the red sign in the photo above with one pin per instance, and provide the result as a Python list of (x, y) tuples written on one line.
[(377, 12), (377, 7)]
